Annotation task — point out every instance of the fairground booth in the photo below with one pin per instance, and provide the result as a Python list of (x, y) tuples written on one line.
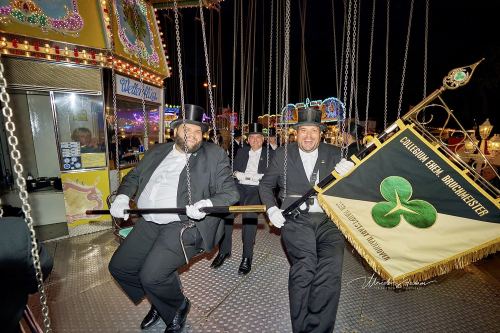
[(61, 60)]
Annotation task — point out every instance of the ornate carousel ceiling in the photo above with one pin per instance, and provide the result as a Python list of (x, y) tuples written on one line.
[(167, 4)]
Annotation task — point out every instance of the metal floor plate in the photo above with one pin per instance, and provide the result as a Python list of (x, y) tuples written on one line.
[(83, 297)]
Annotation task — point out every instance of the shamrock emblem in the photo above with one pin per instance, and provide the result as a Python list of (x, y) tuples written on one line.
[(397, 191)]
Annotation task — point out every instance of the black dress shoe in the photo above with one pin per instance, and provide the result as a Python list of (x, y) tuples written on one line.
[(150, 319), (219, 260), (245, 266), (179, 320)]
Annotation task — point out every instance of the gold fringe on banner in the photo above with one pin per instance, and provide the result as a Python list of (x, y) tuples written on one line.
[(425, 273)]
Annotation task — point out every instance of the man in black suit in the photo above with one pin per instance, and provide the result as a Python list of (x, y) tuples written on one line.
[(146, 263), (236, 144), (17, 271), (249, 167), (313, 243)]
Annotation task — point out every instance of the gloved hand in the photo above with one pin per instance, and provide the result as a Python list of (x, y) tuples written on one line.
[(239, 175), (276, 217), (193, 211), (120, 203), (343, 167), (256, 177)]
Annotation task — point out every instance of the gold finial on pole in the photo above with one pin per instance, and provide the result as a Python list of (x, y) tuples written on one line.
[(459, 77)]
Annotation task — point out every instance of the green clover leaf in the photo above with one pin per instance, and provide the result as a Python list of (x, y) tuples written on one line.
[(398, 191)]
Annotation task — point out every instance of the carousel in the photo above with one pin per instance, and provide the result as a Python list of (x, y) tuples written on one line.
[(82, 85)]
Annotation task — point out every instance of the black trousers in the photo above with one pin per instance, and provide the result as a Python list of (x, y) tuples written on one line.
[(315, 248), (146, 264), (249, 195)]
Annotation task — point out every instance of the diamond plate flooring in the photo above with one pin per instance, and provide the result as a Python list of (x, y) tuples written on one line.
[(83, 297)]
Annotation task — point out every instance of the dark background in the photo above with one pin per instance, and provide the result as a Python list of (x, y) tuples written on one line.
[(459, 33)]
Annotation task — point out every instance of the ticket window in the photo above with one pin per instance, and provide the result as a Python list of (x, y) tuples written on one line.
[(80, 127)]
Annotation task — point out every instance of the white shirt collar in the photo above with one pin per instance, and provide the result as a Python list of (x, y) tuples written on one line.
[(258, 151), (308, 155)]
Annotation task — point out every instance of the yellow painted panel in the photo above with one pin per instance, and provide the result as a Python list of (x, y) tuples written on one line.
[(85, 191)]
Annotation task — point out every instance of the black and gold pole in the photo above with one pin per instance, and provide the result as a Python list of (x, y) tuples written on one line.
[(456, 78), (208, 210)]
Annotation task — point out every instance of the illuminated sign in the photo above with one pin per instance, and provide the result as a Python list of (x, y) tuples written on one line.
[(131, 88)]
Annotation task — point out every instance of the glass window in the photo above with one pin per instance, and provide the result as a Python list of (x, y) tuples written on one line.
[(131, 130), (80, 123)]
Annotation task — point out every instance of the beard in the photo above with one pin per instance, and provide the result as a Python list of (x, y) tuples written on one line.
[(179, 142)]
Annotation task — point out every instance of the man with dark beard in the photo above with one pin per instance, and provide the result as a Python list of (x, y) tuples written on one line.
[(146, 263)]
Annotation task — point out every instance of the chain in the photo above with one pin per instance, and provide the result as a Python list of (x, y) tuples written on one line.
[(242, 74), (343, 149), (353, 70), (369, 69), (209, 80), (181, 86), (386, 62), (235, 39), (405, 59), (277, 51), (335, 47), (426, 41), (339, 88), (270, 81), (115, 113), (141, 78), (23, 194), (286, 60), (356, 62)]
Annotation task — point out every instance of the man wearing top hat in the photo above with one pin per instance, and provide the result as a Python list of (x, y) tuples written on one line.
[(146, 263), (313, 243), (273, 138), (249, 166)]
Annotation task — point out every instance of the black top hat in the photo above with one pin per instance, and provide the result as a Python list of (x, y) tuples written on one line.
[(309, 116), (237, 132), (254, 128), (194, 115), (272, 131)]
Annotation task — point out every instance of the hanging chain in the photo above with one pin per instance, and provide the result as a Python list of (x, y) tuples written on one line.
[(286, 60), (277, 106), (181, 86), (343, 148), (335, 48), (356, 66), (209, 80), (386, 62), (235, 39), (353, 70), (141, 78), (242, 74), (405, 59), (426, 41), (23, 194), (270, 82), (369, 69), (113, 84)]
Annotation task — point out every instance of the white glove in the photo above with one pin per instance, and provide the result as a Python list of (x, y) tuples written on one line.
[(118, 206), (193, 211), (276, 217), (256, 177), (343, 167), (239, 175)]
